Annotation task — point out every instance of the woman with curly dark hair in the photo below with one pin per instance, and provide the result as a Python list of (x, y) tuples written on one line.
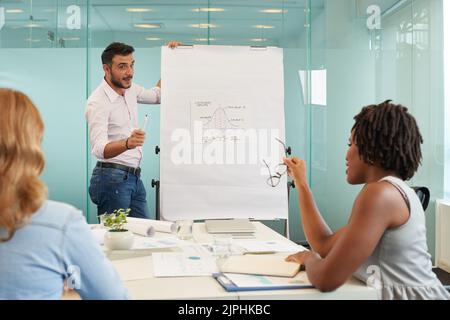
[(384, 242)]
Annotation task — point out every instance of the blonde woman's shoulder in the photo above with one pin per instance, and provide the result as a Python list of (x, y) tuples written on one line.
[(56, 214)]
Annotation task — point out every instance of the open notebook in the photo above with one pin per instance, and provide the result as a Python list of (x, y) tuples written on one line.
[(265, 264)]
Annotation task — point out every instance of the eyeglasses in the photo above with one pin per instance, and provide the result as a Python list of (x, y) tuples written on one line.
[(280, 169)]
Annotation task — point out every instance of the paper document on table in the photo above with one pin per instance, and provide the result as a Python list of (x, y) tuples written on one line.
[(196, 249), (157, 243), (133, 269), (267, 246), (174, 264)]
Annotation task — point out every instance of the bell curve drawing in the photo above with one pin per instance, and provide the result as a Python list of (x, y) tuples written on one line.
[(219, 122)]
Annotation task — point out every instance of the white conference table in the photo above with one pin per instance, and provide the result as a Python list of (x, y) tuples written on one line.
[(142, 285)]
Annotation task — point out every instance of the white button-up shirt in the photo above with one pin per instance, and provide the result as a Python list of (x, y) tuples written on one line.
[(112, 117)]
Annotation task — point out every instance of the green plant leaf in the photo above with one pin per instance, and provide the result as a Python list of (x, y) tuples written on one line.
[(116, 220)]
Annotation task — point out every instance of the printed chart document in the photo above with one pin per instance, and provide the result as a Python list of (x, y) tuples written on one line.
[(156, 243), (196, 249), (174, 264)]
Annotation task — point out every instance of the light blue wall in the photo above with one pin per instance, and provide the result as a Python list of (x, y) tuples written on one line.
[(404, 65), (55, 80)]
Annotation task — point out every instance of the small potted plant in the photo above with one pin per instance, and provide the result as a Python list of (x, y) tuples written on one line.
[(117, 237)]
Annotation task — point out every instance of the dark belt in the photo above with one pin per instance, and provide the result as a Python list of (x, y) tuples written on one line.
[(135, 171)]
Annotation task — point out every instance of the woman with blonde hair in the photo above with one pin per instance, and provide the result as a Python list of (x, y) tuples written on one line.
[(43, 243)]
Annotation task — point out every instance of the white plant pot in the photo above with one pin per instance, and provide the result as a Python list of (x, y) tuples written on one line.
[(119, 240)]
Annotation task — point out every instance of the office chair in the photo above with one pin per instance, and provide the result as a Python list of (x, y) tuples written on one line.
[(444, 277), (424, 196)]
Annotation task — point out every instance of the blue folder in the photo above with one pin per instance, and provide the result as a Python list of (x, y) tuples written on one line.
[(230, 286)]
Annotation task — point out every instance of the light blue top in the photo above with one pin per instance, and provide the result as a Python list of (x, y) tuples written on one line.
[(56, 245), (400, 266)]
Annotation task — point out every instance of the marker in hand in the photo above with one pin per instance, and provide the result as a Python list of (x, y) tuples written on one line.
[(145, 123)]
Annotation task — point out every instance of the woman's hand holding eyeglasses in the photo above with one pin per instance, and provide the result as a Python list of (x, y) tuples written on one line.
[(296, 170)]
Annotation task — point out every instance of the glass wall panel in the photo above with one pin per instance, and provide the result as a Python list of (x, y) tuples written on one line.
[(446, 53), (43, 54), (373, 51)]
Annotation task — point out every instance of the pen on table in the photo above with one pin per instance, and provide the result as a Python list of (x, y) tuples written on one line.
[(259, 252), (145, 123)]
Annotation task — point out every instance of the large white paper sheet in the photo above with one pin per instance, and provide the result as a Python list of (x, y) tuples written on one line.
[(222, 110), (134, 268), (156, 243), (272, 246), (174, 264)]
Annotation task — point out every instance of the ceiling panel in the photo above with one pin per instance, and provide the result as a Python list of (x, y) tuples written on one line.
[(42, 23)]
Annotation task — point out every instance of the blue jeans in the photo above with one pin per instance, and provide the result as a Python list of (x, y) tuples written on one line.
[(112, 189)]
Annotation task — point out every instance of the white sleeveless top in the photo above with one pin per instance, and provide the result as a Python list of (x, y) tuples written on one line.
[(400, 266)]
